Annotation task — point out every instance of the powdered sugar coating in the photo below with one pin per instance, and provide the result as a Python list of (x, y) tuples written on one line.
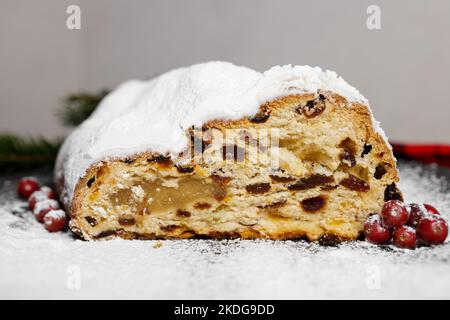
[(153, 115), (54, 214), (44, 205), (38, 196), (283, 80), (46, 190)]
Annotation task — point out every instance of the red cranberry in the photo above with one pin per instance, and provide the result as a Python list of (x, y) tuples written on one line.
[(43, 207), (55, 220), (376, 231), (416, 213), (394, 213), (27, 186), (405, 237), (431, 209), (49, 192), (35, 197), (432, 230)]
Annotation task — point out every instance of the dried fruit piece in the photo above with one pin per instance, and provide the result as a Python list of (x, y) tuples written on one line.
[(91, 220), (202, 205), (380, 170), (258, 188), (354, 183), (105, 234), (77, 231), (311, 182), (366, 149), (220, 194), (90, 182), (405, 237), (262, 115), (220, 180), (184, 169), (313, 108), (170, 228), (166, 160), (392, 193), (128, 160), (126, 220), (280, 179), (313, 204), (273, 205), (329, 240), (158, 195), (348, 158), (183, 213), (394, 213)]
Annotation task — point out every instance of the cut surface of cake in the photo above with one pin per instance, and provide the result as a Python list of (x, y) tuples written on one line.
[(220, 151)]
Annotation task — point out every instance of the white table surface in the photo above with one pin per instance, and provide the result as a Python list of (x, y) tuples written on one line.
[(37, 264)]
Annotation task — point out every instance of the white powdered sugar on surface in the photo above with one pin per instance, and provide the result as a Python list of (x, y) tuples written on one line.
[(153, 115), (283, 80), (55, 214), (45, 204), (37, 264), (39, 196)]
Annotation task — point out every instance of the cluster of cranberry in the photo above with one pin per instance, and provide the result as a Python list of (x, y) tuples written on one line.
[(407, 225), (42, 202)]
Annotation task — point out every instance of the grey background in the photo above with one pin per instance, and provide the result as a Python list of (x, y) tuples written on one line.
[(403, 69)]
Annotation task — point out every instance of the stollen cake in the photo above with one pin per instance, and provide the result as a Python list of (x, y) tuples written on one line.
[(220, 151)]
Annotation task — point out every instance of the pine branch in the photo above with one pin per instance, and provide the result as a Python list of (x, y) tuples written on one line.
[(17, 153), (78, 107), (22, 153)]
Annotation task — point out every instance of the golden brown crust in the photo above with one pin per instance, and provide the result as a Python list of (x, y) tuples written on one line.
[(359, 113)]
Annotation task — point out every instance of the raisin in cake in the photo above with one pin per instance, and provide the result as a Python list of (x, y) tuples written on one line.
[(216, 150)]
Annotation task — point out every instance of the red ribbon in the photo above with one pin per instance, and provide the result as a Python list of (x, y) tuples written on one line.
[(427, 153)]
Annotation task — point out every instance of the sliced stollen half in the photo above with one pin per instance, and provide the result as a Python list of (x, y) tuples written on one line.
[(220, 151)]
